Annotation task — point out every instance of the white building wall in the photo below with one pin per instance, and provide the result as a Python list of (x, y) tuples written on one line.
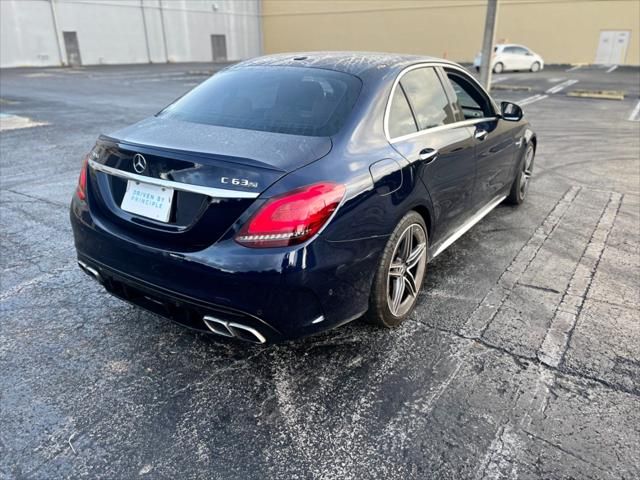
[(27, 36), (113, 31)]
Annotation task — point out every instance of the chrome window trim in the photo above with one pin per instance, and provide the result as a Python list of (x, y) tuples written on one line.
[(183, 187), (461, 123)]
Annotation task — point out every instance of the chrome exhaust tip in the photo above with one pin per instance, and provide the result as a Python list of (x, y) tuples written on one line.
[(92, 272), (233, 329)]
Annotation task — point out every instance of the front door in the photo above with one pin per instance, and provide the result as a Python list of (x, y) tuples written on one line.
[(72, 48), (612, 48), (494, 143), (422, 128), (219, 48)]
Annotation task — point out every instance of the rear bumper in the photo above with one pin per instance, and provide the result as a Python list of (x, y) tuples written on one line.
[(280, 293)]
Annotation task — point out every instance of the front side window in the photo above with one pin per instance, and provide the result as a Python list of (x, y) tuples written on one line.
[(292, 100), (427, 98), (472, 102), (401, 121)]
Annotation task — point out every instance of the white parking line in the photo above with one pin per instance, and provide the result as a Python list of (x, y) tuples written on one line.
[(573, 68), (561, 86), (612, 68), (635, 113), (499, 79), (533, 99)]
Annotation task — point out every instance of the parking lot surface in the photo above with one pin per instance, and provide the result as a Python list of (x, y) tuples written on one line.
[(522, 359)]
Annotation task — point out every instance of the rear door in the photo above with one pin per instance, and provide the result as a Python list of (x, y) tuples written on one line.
[(421, 126), (493, 138), (523, 58), (510, 58)]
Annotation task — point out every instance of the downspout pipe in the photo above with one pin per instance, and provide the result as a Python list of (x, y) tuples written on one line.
[(56, 32)]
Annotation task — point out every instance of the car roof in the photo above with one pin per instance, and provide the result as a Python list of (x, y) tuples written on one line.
[(355, 63), (502, 45)]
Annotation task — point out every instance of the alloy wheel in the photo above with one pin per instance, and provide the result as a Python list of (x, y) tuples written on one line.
[(527, 168), (406, 270)]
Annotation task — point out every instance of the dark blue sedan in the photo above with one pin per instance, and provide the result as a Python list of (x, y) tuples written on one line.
[(293, 193)]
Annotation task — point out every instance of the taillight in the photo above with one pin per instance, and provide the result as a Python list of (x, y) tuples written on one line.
[(81, 190), (292, 218)]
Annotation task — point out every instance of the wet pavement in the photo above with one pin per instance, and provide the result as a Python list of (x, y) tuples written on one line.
[(522, 359)]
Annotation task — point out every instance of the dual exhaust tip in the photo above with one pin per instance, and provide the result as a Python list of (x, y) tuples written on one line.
[(217, 326), (233, 329), (92, 272)]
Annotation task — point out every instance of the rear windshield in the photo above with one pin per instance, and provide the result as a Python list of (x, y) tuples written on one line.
[(294, 100)]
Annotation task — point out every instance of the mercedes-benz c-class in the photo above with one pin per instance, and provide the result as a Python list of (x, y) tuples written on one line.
[(293, 193)]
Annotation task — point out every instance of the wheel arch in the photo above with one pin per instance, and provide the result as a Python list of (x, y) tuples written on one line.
[(425, 213)]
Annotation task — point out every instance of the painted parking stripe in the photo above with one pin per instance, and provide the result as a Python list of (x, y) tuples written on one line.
[(525, 100), (573, 68), (535, 98), (635, 113), (612, 68), (499, 79), (561, 86)]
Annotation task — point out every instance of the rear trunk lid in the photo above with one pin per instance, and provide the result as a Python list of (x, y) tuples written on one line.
[(212, 173)]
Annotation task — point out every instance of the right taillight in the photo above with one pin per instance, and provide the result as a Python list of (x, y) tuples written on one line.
[(293, 217), (81, 190)]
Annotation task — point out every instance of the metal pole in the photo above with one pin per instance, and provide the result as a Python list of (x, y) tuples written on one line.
[(146, 34), (488, 42), (164, 34), (260, 32), (56, 31)]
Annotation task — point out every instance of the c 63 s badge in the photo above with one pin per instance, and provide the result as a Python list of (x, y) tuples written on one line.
[(240, 182)]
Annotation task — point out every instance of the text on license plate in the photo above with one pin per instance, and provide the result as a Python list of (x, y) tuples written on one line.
[(147, 200)]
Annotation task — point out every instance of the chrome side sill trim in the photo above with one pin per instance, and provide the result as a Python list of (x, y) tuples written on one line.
[(183, 187), (466, 226)]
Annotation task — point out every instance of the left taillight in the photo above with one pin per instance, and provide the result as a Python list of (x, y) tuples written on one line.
[(81, 190), (292, 218)]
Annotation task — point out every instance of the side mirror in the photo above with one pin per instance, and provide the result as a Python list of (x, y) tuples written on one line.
[(511, 112)]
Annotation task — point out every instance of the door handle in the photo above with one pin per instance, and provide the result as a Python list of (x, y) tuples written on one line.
[(481, 134), (428, 155)]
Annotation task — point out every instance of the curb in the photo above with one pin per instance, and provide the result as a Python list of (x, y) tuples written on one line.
[(514, 88), (600, 94)]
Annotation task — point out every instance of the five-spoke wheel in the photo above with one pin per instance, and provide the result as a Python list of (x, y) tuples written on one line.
[(400, 273), (523, 177), (406, 270)]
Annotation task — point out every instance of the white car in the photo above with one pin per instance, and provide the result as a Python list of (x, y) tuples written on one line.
[(512, 57)]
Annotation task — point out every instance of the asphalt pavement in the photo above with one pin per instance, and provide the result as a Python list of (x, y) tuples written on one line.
[(522, 359)]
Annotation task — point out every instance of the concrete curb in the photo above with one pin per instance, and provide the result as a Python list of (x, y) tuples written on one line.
[(600, 94)]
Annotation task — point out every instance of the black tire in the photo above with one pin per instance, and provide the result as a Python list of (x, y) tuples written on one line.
[(535, 67), (521, 183), (498, 67), (395, 290)]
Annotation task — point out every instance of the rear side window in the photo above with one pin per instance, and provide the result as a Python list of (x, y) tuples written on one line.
[(293, 100), (427, 98), (401, 121)]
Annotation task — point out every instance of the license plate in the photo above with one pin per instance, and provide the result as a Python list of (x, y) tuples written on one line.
[(147, 200)]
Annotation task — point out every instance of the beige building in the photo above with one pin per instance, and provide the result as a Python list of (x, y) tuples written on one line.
[(562, 31)]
